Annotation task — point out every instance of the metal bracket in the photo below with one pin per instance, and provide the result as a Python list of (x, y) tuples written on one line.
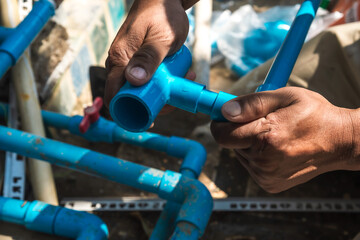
[(129, 204), (14, 179)]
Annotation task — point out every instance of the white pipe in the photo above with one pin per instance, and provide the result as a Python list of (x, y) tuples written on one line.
[(9, 20), (202, 45), (24, 81)]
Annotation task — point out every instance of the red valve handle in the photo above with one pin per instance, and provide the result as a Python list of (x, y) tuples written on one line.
[(91, 115)]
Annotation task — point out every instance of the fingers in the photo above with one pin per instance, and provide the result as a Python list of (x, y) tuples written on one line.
[(144, 63), (241, 136), (120, 53), (257, 105), (114, 82)]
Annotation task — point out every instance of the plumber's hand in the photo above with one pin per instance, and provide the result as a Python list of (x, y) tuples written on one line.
[(152, 30), (289, 136)]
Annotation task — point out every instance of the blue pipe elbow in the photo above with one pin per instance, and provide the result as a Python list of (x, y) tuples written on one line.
[(42, 217), (197, 199), (80, 225), (193, 153)]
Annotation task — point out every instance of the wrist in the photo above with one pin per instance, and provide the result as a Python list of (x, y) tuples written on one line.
[(354, 116), (350, 139)]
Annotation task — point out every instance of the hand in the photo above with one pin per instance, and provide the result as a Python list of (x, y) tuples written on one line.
[(152, 30), (288, 136)]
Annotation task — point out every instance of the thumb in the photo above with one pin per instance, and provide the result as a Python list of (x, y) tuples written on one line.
[(144, 63), (257, 105)]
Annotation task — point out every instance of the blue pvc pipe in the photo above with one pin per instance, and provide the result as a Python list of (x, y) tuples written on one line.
[(55, 120), (284, 62), (192, 152), (81, 159), (195, 199), (185, 231), (165, 225), (42, 217), (5, 63), (135, 108), (5, 32), (14, 45)]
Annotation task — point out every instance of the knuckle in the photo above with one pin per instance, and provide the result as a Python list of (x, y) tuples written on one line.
[(263, 143), (268, 140), (118, 55), (256, 105), (148, 54), (272, 118)]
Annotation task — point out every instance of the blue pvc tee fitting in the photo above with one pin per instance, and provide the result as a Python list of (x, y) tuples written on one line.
[(135, 108)]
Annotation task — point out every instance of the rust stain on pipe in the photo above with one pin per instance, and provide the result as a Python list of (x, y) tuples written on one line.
[(25, 96)]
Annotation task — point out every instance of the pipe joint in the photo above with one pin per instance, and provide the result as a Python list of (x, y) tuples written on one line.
[(40, 217), (196, 199), (184, 94), (80, 225)]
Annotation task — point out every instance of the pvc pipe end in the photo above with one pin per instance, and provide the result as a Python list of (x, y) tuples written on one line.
[(130, 113)]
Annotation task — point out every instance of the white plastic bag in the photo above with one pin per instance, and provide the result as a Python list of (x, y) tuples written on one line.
[(248, 39)]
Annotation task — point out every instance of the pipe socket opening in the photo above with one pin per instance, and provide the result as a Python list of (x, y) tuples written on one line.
[(131, 114)]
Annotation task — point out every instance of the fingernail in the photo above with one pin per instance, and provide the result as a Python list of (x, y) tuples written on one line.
[(232, 108), (138, 73)]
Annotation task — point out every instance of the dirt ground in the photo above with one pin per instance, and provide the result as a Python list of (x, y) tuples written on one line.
[(222, 168)]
